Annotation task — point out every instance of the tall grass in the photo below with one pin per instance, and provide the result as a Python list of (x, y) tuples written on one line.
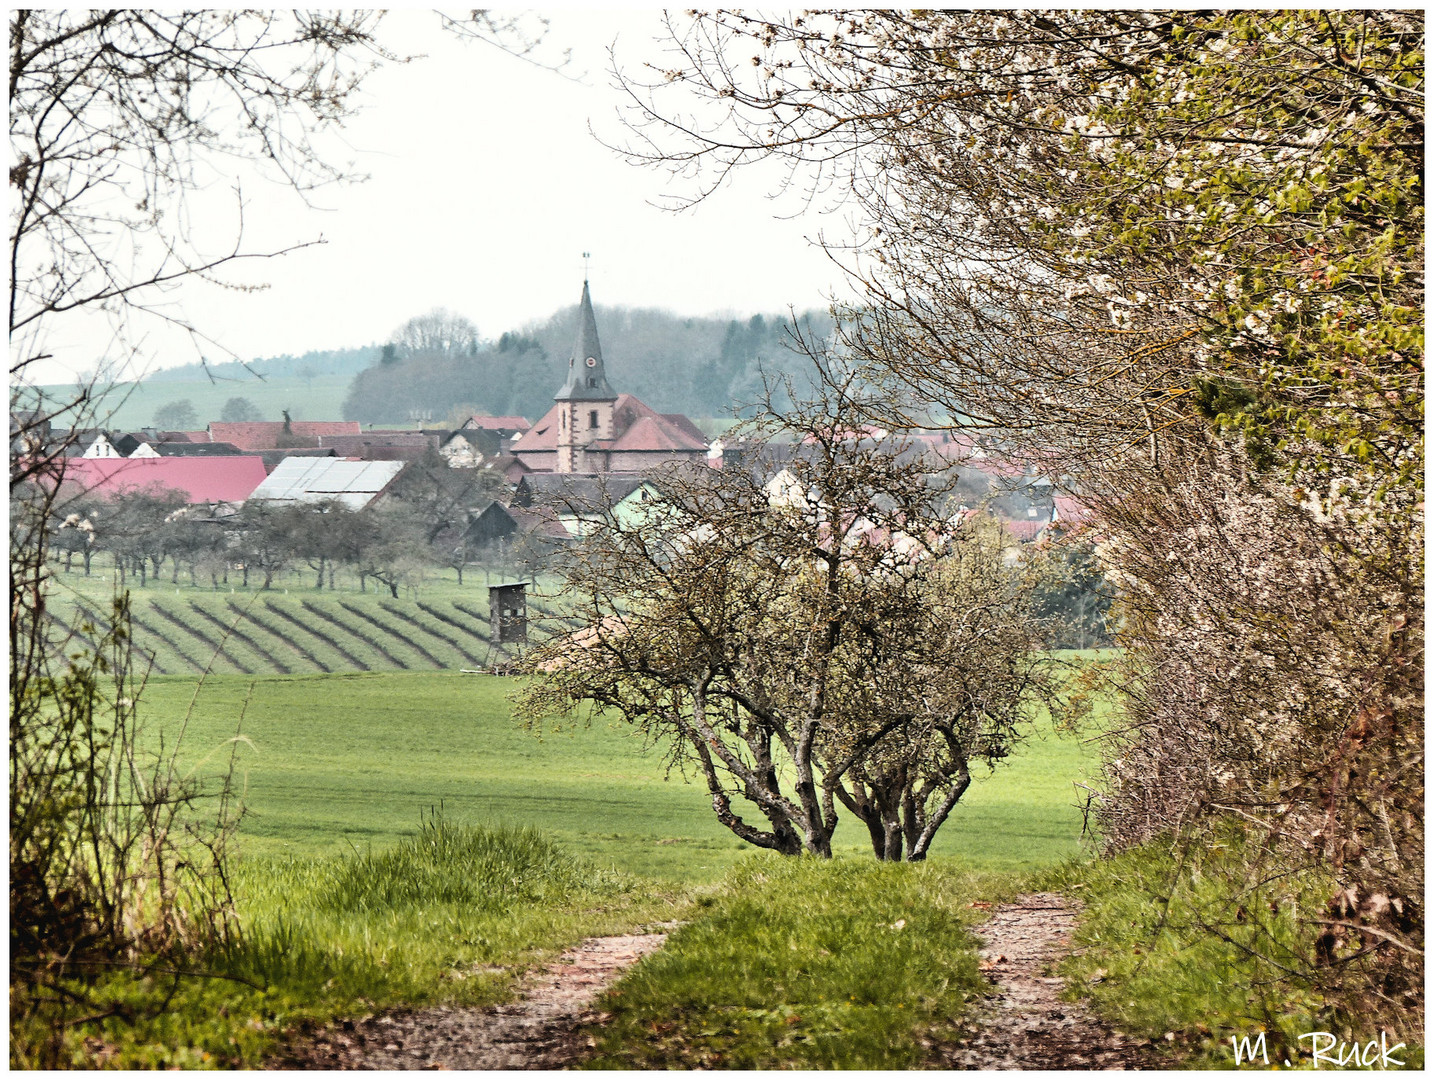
[(1179, 945), (485, 869)]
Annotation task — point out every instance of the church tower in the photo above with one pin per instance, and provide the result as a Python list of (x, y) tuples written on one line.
[(585, 401)]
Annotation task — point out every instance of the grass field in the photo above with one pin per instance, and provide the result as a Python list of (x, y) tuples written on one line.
[(334, 762), (130, 406)]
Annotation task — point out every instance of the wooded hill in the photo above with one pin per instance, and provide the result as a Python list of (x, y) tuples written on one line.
[(701, 366)]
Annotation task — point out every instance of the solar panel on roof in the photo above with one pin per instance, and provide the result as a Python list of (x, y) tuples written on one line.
[(304, 479)]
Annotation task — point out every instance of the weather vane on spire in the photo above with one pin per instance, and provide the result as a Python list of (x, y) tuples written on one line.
[(586, 256)]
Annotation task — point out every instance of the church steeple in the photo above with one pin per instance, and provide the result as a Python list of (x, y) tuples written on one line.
[(587, 379)]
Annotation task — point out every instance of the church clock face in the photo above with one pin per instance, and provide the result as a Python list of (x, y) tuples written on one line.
[(592, 361)]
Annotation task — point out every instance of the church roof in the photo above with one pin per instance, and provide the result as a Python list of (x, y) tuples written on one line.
[(587, 378), (635, 426)]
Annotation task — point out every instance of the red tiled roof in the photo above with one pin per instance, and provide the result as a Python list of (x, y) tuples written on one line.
[(686, 426), (201, 479), (1070, 510), (656, 433), (264, 434), (498, 423), (635, 425)]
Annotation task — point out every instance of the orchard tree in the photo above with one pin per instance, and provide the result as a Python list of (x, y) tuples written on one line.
[(389, 548), (825, 637)]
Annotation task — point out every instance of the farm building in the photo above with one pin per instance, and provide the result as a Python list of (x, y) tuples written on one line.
[(355, 484)]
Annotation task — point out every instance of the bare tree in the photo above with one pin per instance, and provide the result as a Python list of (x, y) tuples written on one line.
[(438, 334)]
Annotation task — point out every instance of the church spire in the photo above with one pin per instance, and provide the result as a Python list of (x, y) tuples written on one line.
[(587, 379)]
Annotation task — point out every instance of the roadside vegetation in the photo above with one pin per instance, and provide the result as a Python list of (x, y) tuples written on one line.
[(1187, 946), (453, 914)]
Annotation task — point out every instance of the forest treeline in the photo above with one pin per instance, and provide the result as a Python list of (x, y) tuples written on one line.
[(701, 366)]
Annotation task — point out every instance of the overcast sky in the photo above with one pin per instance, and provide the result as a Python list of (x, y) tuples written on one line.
[(486, 188)]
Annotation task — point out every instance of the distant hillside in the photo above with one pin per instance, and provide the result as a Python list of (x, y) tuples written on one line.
[(309, 365), (699, 366), (128, 406)]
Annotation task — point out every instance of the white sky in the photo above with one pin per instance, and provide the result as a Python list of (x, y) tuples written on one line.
[(486, 188)]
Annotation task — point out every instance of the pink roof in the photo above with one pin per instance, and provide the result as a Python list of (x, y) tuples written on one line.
[(1070, 510), (1024, 530), (264, 434), (656, 433), (201, 479)]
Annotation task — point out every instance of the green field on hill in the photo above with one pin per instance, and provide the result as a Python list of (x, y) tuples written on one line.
[(330, 762), (130, 406)]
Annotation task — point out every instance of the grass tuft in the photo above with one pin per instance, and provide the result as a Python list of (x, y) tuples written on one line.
[(486, 869)]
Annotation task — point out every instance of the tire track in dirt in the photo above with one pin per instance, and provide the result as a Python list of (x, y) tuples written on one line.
[(536, 1032), (1024, 1024)]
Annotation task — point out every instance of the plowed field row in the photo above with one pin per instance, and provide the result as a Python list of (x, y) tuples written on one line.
[(278, 634)]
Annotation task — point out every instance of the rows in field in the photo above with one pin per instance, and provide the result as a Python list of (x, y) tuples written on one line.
[(262, 633)]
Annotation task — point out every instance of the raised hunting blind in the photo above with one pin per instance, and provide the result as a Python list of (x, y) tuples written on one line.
[(508, 612)]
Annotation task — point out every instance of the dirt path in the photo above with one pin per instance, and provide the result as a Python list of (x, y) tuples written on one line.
[(1025, 1024), (534, 1033)]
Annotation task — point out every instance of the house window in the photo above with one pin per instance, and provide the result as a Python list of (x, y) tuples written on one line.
[(592, 419), (592, 381)]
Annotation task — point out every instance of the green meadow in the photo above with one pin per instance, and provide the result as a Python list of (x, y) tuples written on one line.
[(404, 842), (341, 762)]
